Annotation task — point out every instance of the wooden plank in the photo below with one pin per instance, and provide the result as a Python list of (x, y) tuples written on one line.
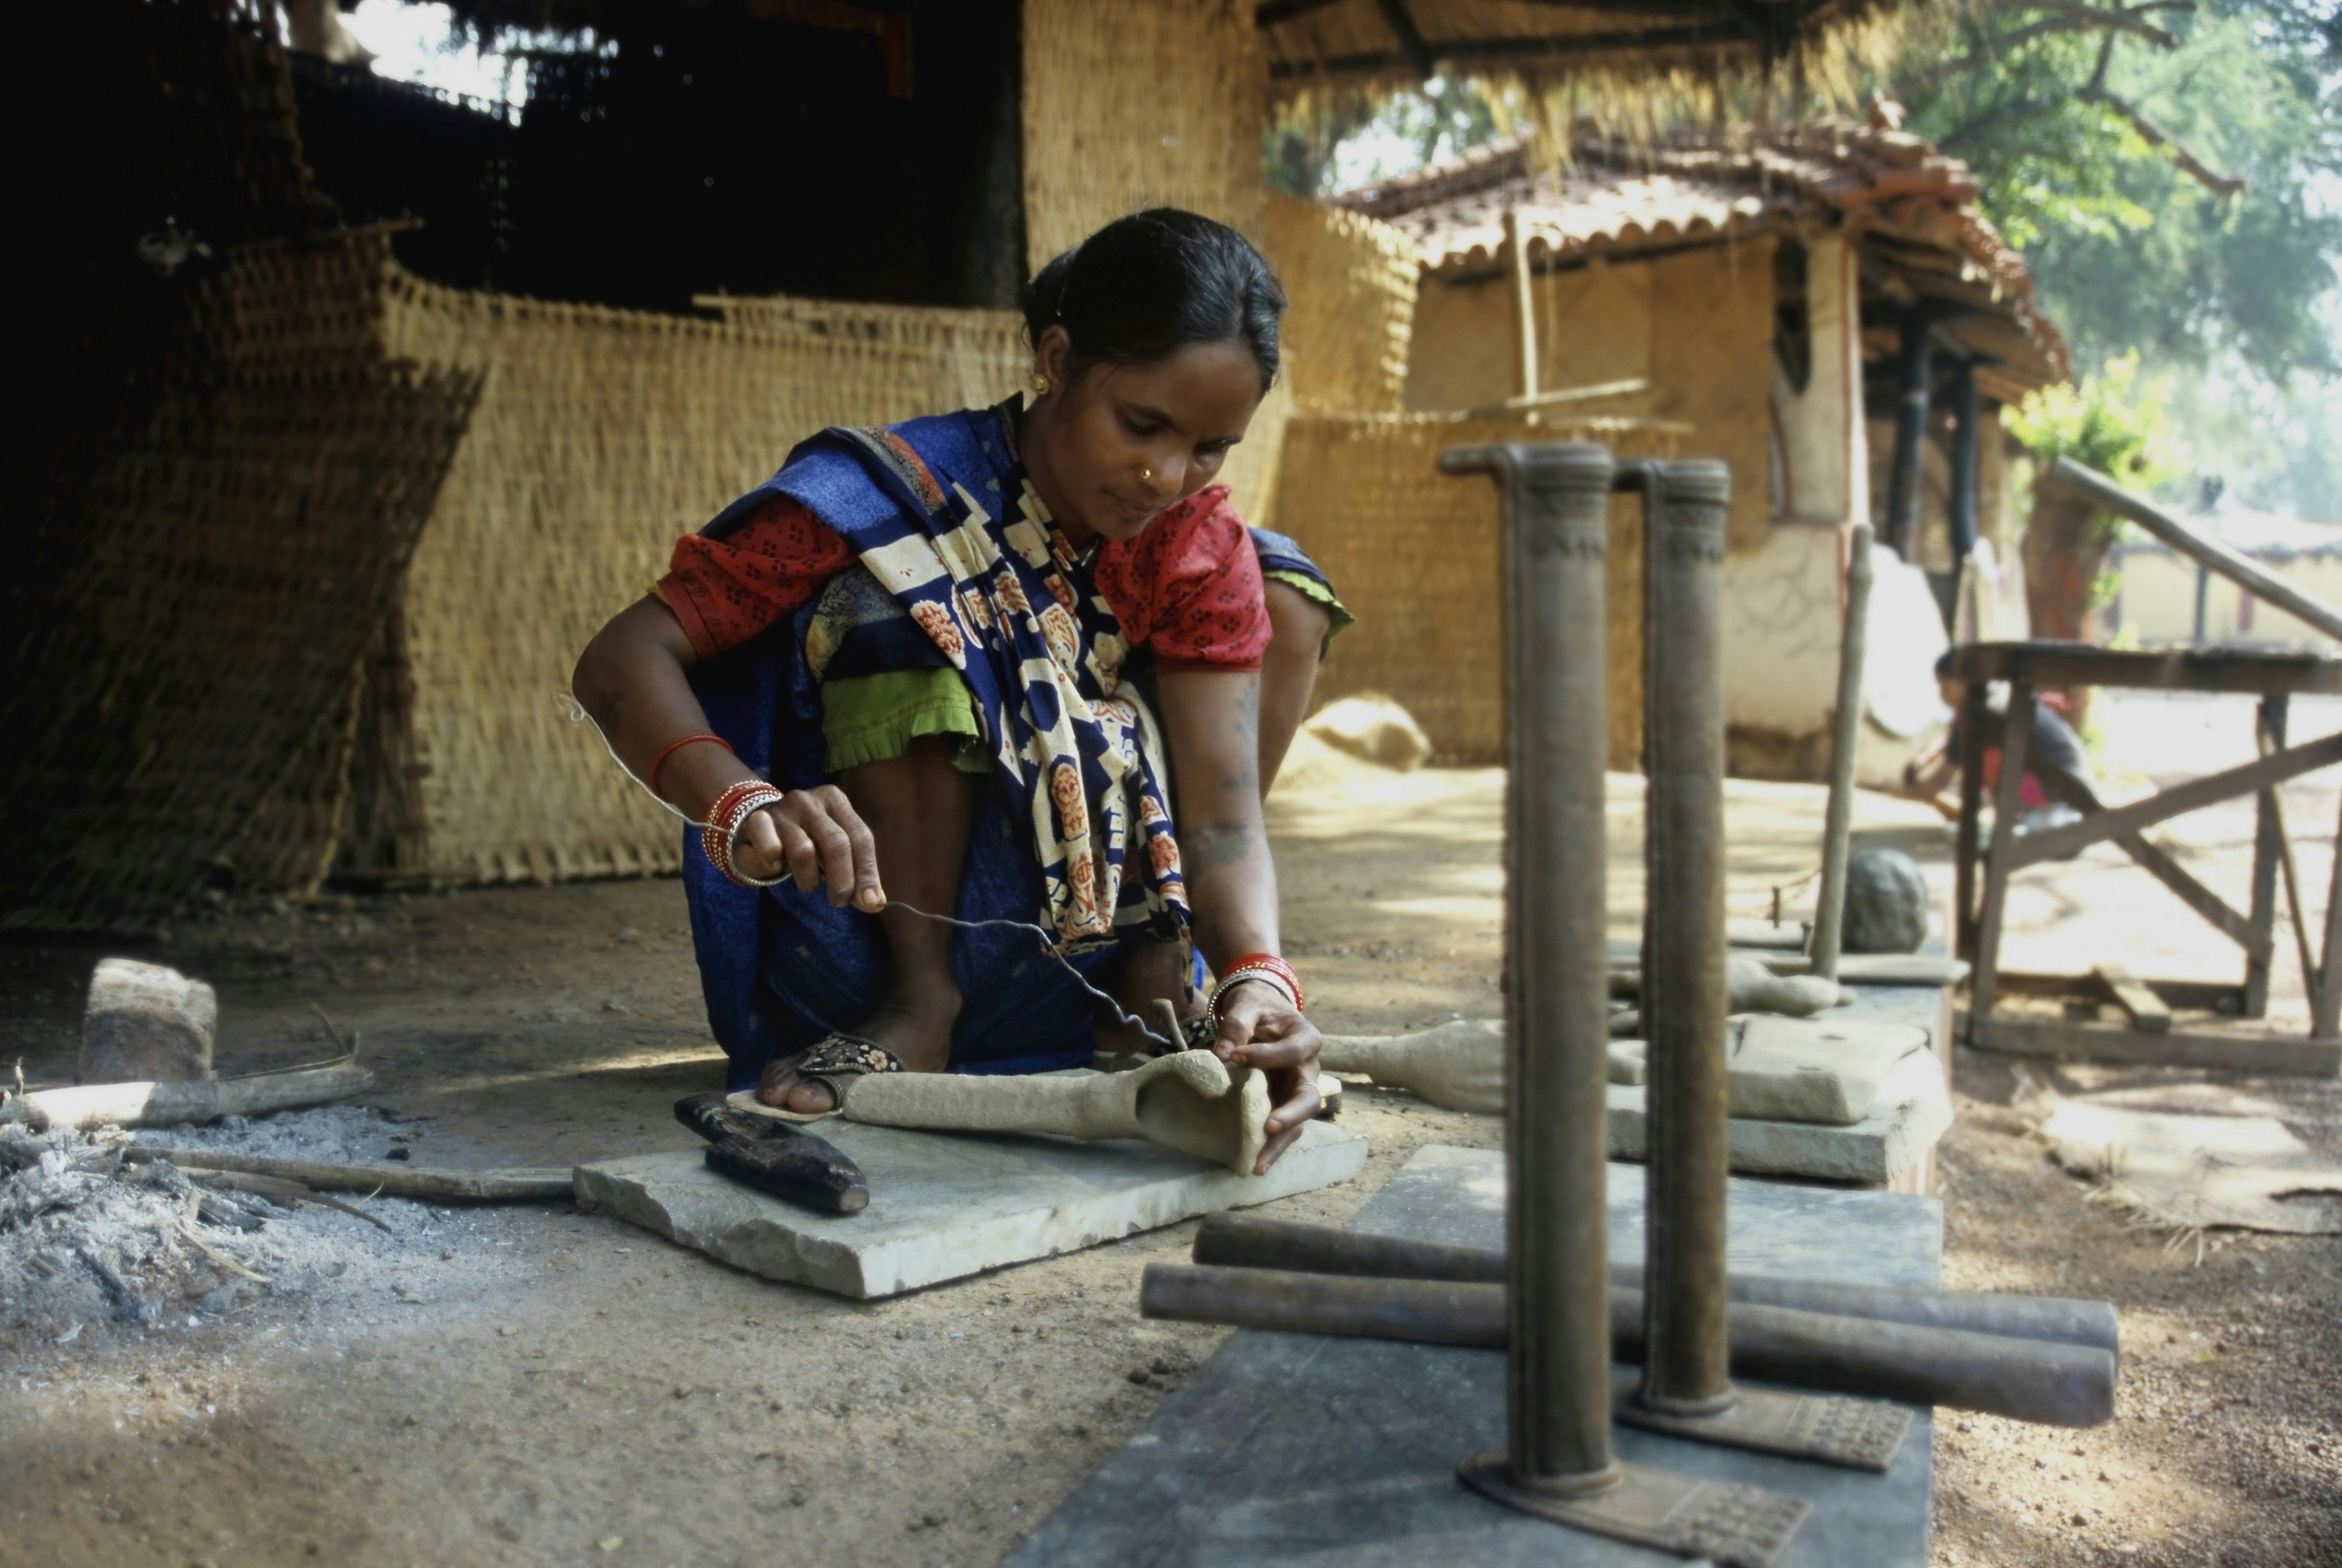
[(2147, 1013), (2326, 1001), (2190, 995), (2249, 778), (2007, 809), (2273, 809), (2071, 1040), (2258, 943), (2046, 664), (2269, 735), (2282, 592)]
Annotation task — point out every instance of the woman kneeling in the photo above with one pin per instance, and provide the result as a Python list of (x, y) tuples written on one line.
[(1021, 665)]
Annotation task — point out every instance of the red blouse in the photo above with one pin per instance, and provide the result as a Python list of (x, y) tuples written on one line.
[(1189, 587)]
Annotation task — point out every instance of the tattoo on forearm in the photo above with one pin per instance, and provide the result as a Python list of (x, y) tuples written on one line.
[(1208, 850), (1244, 779)]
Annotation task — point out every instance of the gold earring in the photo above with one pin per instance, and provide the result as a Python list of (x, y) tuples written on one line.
[(1040, 384), (1147, 474)]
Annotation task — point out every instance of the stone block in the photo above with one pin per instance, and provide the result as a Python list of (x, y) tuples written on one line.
[(946, 1204), (1885, 903), (1913, 1109), (146, 1023)]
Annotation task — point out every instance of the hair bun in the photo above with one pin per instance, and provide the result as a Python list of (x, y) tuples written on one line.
[(1145, 286)]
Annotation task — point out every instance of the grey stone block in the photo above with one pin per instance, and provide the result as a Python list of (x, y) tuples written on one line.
[(1885, 903), (144, 1023), (947, 1204), (1913, 1109)]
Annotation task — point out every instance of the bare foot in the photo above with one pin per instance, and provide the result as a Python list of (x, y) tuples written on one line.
[(915, 1024), (1149, 971)]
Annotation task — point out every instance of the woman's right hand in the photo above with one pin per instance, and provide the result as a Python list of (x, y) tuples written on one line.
[(813, 836)]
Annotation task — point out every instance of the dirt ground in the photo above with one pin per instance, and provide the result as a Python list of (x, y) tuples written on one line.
[(542, 1386)]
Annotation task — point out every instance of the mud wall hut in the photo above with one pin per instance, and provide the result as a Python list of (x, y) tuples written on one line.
[(1756, 293)]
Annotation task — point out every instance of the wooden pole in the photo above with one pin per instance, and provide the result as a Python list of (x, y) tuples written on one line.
[(166, 1104), (1524, 343)]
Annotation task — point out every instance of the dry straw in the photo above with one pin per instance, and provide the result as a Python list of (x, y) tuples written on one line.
[(1414, 554), (185, 706), (1132, 104), (1351, 282)]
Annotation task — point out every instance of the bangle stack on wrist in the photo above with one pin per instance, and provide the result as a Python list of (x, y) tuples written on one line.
[(1262, 968), (730, 812)]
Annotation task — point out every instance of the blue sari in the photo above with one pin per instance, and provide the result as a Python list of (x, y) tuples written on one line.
[(1073, 833)]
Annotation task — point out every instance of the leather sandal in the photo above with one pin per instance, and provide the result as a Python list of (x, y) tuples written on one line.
[(833, 1057)]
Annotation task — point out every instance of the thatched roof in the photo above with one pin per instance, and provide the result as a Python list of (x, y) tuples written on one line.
[(1367, 42), (1396, 41), (1911, 207)]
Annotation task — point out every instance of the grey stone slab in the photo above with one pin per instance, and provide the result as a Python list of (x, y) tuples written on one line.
[(1293, 1448), (947, 1204), (1913, 1110)]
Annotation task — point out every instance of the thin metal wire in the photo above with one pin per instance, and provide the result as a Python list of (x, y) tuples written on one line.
[(1050, 946)]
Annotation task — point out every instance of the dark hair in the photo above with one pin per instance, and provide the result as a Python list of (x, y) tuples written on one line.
[(1148, 286)]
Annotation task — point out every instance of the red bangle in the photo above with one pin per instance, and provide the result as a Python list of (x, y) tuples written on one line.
[(1268, 963), (672, 747), (733, 807)]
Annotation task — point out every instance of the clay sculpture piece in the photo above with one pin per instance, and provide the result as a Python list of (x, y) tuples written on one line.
[(1459, 1067), (775, 1156), (1781, 1069), (1750, 987), (1190, 1101)]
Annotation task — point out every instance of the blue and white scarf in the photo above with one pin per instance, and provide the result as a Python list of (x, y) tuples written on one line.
[(943, 515)]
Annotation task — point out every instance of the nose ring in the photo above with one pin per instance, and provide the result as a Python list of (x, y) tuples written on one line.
[(1147, 474)]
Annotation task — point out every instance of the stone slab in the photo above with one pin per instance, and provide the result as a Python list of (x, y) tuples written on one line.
[(947, 1204), (1913, 1110), (1342, 1453)]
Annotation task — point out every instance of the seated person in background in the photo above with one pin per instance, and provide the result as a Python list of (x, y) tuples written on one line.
[(2057, 785)]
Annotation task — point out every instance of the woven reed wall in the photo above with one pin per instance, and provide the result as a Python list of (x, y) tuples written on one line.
[(1414, 554), (600, 436), (185, 704), (979, 356), (1132, 104), (1351, 283)]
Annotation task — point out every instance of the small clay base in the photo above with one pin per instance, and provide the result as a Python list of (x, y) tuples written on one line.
[(1858, 1433), (1732, 1525)]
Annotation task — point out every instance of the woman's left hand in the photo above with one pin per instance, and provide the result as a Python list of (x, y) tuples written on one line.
[(1259, 1028)]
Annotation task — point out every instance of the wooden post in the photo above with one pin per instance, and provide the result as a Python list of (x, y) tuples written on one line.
[(2326, 994), (1524, 343), (2263, 915), (1912, 370), (1963, 497), (2007, 810), (1975, 713)]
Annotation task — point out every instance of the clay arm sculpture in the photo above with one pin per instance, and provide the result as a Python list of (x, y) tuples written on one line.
[(1190, 1101), (1459, 1067), (1751, 986)]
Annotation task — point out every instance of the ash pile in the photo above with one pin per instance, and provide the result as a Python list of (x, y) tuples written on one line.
[(122, 1199), (97, 1232)]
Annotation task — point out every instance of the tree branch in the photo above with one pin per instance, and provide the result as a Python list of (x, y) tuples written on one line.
[(2120, 21), (2070, 19), (2155, 136), (1990, 54)]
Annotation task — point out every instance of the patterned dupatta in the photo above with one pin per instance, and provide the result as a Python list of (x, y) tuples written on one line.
[(943, 517)]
